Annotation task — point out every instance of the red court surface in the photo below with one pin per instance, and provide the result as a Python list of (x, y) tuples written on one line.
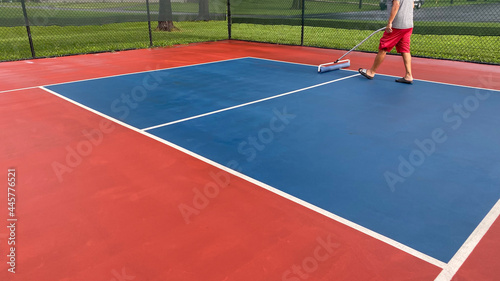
[(30, 73), (96, 200), (482, 264)]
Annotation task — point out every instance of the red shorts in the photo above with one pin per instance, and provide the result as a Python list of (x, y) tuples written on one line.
[(399, 38)]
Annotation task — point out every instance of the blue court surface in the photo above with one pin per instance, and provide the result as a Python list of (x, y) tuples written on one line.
[(416, 163)]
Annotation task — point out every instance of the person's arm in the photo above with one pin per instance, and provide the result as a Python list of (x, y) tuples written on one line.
[(394, 11)]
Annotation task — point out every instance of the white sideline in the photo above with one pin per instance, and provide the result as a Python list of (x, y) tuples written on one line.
[(470, 244), (339, 219)]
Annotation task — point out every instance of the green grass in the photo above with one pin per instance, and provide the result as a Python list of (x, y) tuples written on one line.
[(284, 8), (14, 43), (436, 28), (13, 16), (41, 14), (260, 11), (191, 32), (455, 47), (57, 41), (266, 7)]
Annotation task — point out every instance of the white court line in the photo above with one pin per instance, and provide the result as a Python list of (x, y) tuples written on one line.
[(20, 89), (449, 269), (469, 245), (248, 103), (124, 74), (297, 63), (339, 219), (387, 75)]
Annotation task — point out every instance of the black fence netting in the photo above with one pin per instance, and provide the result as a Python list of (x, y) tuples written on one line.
[(60, 27), (277, 21), (98, 12), (453, 29), (190, 21), (62, 13)]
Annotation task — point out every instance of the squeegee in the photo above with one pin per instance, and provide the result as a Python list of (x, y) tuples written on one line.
[(338, 64)]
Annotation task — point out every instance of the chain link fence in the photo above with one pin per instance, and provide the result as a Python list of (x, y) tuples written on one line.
[(46, 28), (452, 29)]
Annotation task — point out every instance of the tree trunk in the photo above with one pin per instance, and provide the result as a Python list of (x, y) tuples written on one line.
[(203, 10), (297, 4), (165, 17), (166, 26)]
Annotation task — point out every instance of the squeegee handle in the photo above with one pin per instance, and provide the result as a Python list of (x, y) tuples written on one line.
[(359, 44)]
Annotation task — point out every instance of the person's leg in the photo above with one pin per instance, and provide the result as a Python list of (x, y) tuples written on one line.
[(407, 61), (387, 42), (403, 47), (377, 62)]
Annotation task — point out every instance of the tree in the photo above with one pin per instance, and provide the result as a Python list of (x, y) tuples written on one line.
[(297, 4), (203, 11), (165, 17)]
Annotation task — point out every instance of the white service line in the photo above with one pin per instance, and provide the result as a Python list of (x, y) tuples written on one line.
[(248, 103), (341, 220), (379, 74), (470, 244)]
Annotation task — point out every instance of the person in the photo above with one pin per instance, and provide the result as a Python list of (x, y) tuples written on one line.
[(397, 34)]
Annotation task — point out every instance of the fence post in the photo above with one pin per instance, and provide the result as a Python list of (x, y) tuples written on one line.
[(27, 23), (229, 19), (303, 22), (360, 3), (149, 25)]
